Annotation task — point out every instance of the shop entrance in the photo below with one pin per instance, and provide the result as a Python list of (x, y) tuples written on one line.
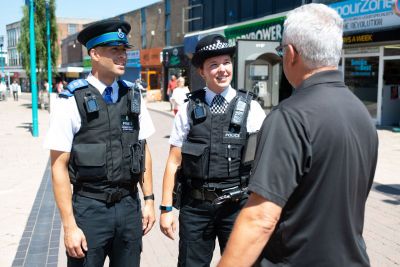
[(391, 92), (258, 70)]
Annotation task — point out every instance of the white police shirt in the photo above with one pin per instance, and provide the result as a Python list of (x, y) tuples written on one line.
[(181, 126), (65, 120)]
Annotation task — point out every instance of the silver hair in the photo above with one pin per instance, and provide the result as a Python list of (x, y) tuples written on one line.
[(316, 31)]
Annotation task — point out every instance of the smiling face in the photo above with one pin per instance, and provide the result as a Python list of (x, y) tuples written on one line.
[(109, 61), (217, 72)]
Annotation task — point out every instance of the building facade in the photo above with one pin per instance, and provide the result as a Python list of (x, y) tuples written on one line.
[(371, 56), (370, 60), (175, 61), (256, 27), (65, 27)]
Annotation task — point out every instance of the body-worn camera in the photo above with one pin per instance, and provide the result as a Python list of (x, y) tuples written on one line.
[(91, 103), (199, 111)]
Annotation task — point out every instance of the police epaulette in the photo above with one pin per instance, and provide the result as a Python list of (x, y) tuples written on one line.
[(251, 94), (200, 93), (72, 87), (126, 84)]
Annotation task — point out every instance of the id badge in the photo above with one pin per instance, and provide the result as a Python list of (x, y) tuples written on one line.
[(127, 124)]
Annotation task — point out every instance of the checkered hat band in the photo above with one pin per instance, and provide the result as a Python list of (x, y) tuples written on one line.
[(216, 46)]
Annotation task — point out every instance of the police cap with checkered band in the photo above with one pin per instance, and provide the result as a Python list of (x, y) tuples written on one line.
[(211, 46), (110, 32)]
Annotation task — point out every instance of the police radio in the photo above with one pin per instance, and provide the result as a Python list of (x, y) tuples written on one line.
[(135, 101), (91, 103), (238, 113)]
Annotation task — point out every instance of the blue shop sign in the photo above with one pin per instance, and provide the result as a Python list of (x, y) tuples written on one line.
[(365, 15), (133, 59)]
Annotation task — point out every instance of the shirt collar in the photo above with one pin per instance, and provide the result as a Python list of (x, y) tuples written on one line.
[(323, 77), (99, 85), (229, 93)]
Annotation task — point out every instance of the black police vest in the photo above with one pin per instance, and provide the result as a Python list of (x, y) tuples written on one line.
[(102, 150), (213, 149)]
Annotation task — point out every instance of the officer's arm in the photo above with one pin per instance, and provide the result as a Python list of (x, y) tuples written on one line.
[(253, 228), (167, 221), (146, 184), (62, 186), (173, 162), (73, 237)]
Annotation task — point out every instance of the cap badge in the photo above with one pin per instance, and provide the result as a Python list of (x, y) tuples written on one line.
[(121, 35)]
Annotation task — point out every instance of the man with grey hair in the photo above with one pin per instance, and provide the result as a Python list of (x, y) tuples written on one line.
[(315, 160)]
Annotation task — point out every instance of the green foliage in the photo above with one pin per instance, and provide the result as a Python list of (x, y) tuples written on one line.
[(40, 38)]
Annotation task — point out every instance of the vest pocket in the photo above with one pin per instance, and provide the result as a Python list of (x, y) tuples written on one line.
[(195, 159), (90, 161)]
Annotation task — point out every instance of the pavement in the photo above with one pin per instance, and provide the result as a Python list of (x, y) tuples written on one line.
[(30, 228)]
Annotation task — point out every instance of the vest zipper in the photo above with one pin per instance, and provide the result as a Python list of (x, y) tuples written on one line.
[(110, 136)]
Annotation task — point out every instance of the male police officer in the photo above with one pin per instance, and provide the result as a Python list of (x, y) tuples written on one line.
[(97, 141), (207, 141)]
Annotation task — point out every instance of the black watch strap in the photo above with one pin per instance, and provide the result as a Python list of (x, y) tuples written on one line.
[(149, 197)]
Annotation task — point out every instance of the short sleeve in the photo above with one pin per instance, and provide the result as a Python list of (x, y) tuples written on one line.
[(283, 152), (65, 122), (145, 122), (255, 118), (180, 128)]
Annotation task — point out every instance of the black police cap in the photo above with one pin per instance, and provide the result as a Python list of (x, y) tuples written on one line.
[(211, 46), (105, 33)]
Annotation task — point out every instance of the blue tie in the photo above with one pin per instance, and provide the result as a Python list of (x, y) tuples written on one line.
[(107, 95)]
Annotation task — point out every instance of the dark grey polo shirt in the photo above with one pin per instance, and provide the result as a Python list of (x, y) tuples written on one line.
[(316, 158)]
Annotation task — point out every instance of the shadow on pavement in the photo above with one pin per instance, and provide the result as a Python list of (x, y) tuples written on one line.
[(27, 126), (393, 202), (388, 189)]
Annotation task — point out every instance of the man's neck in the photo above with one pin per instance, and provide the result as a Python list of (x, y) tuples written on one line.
[(308, 73), (106, 79)]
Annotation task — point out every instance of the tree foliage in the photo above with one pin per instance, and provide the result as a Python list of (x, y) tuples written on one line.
[(40, 38)]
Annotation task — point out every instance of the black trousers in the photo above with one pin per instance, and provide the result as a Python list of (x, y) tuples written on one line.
[(200, 223), (113, 230)]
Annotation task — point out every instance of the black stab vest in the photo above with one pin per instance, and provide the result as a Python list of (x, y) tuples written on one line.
[(213, 149), (101, 149)]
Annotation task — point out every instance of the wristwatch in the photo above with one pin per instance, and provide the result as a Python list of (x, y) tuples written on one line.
[(166, 208), (149, 197)]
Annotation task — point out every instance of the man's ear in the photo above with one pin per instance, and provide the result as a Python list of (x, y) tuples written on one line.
[(294, 55), (94, 54), (200, 71)]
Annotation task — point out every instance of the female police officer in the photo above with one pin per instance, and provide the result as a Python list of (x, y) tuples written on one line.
[(207, 141), (96, 137)]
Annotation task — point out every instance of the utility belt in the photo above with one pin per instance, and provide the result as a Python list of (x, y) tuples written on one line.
[(108, 195), (219, 196)]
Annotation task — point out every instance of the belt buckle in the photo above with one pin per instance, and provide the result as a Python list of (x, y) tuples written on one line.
[(115, 196)]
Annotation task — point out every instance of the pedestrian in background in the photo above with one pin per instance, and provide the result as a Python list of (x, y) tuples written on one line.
[(15, 88), (97, 134), (179, 95), (315, 160), (59, 86), (3, 91), (209, 134), (171, 86)]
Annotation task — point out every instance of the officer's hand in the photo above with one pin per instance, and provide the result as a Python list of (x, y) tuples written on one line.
[(149, 217), (167, 224), (75, 242)]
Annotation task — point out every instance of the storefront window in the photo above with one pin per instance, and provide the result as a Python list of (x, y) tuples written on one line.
[(361, 76), (392, 50)]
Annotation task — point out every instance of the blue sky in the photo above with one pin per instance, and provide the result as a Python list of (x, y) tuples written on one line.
[(11, 10)]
